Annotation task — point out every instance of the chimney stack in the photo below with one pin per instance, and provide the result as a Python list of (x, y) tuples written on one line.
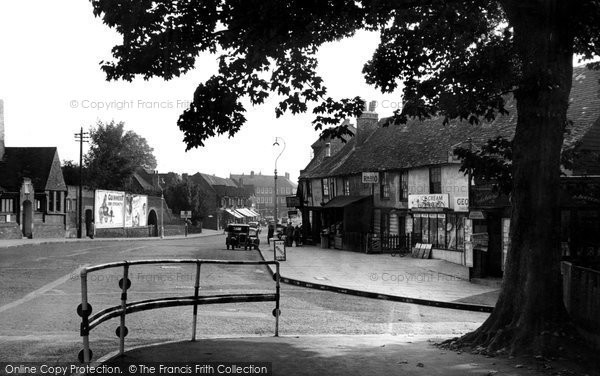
[(287, 175), (1, 129), (366, 123), (251, 173)]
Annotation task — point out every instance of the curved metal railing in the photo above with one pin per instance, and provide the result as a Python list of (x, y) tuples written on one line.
[(89, 321)]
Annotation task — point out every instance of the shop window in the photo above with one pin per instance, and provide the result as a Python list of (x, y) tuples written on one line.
[(7, 205), (443, 231), (435, 180), (325, 188), (403, 187), (384, 187)]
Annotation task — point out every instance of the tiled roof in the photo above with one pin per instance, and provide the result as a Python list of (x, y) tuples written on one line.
[(36, 163), (215, 180), (428, 142), (262, 180)]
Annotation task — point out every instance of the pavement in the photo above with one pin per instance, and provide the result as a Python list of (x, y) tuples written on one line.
[(324, 355), (4, 243), (430, 282)]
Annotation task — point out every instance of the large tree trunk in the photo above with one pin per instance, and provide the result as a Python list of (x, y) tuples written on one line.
[(530, 309)]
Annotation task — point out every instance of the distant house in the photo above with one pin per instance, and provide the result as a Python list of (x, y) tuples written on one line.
[(226, 202)]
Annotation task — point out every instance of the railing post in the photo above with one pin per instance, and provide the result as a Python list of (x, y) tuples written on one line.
[(122, 328), (196, 291), (277, 293), (85, 333)]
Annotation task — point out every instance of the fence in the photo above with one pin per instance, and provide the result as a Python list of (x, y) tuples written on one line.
[(89, 321), (382, 243), (581, 296)]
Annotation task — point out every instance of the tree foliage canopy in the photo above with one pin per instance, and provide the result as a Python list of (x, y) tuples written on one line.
[(458, 59), (114, 155), (454, 58)]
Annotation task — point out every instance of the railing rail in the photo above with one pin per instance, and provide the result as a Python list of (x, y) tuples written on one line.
[(89, 321)]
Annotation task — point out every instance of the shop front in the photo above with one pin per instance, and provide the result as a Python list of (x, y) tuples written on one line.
[(346, 221), (433, 220)]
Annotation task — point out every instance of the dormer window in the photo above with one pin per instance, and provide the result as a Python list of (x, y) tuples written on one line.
[(328, 149)]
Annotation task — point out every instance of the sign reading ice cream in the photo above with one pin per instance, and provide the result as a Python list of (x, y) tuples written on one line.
[(428, 201)]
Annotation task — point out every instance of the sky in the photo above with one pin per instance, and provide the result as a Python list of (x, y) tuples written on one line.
[(52, 85)]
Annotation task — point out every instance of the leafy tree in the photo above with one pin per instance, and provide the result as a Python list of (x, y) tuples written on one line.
[(457, 59), (70, 171), (114, 155), (186, 195)]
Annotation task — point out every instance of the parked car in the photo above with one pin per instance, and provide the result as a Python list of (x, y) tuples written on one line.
[(252, 241), (237, 235)]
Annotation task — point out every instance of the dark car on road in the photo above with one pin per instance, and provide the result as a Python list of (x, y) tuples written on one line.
[(241, 235)]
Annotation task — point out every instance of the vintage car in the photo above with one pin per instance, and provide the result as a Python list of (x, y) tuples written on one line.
[(252, 241), (241, 235), (237, 235)]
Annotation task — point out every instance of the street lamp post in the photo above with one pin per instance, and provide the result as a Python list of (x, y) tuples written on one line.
[(275, 178)]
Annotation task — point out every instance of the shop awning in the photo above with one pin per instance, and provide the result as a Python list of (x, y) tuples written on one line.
[(245, 212), (234, 213), (254, 212), (343, 201)]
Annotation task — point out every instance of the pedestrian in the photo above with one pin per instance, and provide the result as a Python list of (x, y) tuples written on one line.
[(270, 232), (297, 236), (289, 235), (92, 229)]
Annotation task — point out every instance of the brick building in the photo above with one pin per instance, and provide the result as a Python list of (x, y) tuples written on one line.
[(262, 187)]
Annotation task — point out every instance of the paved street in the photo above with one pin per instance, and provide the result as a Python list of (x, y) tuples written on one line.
[(41, 290)]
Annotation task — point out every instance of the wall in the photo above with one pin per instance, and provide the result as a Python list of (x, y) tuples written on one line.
[(455, 257), (10, 231), (43, 230), (418, 181), (455, 183)]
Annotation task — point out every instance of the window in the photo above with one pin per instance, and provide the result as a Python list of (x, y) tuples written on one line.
[(51, 201), (403, 191), (443, 231), (38, 204), (346, 187), (59, 199), (332, 190), (384, 187), (308, 189), (328, 149), (435, 180), (325, 187), (7, 205)]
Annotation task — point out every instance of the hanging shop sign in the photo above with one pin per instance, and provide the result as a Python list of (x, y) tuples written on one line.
[(428, 201), (370, 177), (476, 214)]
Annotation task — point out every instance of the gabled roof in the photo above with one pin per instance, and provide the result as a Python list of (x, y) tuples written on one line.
[(259, 180), (215, 180), (429, 142), (40, 164)]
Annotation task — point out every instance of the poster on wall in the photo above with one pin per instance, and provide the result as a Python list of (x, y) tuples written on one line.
[(136, 210), (109, 208)]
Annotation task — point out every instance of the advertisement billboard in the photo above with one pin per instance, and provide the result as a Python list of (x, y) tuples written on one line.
[(136, 210), (109, 208)]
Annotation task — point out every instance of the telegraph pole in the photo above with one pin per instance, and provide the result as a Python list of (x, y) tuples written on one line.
[(81, 137)]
